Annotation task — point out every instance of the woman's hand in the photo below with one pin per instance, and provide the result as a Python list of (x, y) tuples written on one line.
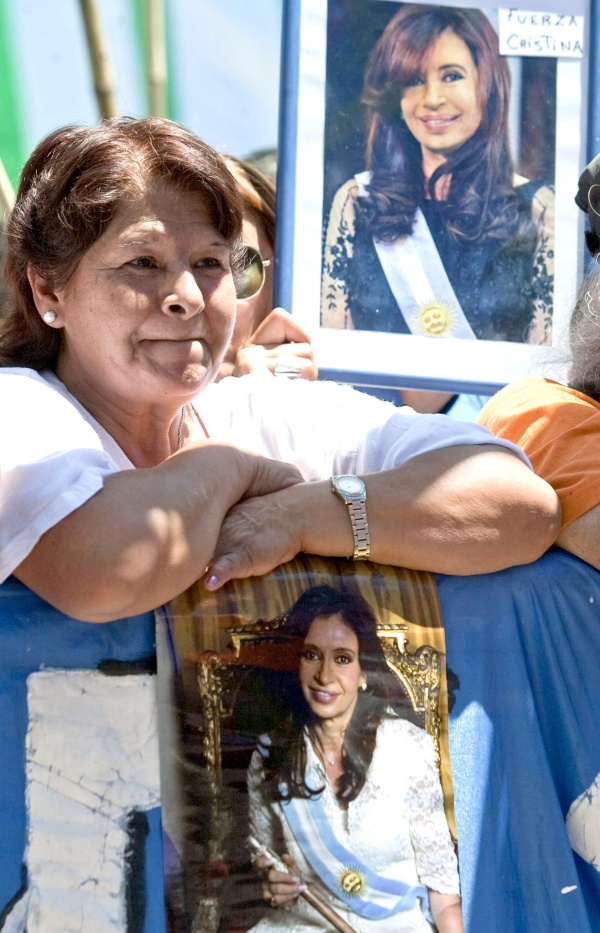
[(280, 888), (446, 911), (279, 339), (256, 536)]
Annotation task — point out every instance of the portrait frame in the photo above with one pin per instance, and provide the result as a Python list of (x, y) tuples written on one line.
[(377, 358), (216, 652)]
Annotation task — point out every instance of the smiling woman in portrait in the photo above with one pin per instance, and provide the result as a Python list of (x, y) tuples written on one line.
[(346, 791), (440, 236)]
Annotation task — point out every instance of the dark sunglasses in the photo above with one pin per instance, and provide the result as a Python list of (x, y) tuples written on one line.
[(252, 276)]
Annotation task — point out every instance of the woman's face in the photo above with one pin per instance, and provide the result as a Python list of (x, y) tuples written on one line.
[(149, 311), (440, 105), (330, 672)]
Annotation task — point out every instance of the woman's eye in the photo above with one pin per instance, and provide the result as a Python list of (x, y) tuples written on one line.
[(343, 659), (453, 76), (415, 81), (142, 262), (209, 262), (309, 655)]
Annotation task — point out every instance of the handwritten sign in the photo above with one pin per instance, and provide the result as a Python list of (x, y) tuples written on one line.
[(545, 35)]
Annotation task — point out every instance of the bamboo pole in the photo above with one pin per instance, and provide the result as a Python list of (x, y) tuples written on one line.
[(156, 51), (7, 195), (103, 79)]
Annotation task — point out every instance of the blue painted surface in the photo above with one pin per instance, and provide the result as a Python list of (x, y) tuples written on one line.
[(34, 637), (524, 644)]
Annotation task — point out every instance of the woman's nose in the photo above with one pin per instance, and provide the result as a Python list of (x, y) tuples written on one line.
[(433, 93), (184, 297), (324, 672)]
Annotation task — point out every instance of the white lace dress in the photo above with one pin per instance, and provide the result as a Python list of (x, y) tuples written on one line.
[(397, 820)]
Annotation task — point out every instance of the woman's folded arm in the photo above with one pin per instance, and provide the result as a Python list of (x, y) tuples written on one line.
[(147, 534), (458, 510)]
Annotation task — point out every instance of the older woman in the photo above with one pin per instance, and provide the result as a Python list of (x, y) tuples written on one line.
[(121, 251), (349, 764), (122, 254), (440, 236)]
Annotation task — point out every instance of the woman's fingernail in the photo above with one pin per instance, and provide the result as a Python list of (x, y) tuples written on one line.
[(211, 581), (295, 879), (303, 888)]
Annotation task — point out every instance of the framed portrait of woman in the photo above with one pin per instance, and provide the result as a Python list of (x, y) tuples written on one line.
[(429, 161), (303, 727)]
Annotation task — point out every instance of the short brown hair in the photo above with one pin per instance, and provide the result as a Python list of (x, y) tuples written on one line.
[(70, 190)]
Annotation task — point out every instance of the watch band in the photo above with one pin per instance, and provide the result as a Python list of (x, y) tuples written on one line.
[(360, 529), (351, 490)]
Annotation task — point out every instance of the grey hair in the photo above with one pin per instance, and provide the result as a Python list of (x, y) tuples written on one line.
[(584, 337)]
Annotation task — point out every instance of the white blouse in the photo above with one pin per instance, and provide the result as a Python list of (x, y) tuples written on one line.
[(54, 455), (397, 820)]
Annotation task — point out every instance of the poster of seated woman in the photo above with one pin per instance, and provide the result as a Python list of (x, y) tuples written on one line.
[(311, 751), (433, 225)]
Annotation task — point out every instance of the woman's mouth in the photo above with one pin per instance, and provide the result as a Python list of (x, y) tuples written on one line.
[(323, 696), (437, 123)]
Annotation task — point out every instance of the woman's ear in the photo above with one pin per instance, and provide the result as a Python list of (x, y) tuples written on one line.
[(44, 297)]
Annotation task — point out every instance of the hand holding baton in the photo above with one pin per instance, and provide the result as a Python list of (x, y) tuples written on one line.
[(337, 922)]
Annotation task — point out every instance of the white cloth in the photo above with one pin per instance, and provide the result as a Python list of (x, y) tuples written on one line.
[(397, 820), (54, 456), (325, 428)]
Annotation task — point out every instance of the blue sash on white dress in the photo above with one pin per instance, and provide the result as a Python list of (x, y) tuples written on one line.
[(418, 280), (372, 896)]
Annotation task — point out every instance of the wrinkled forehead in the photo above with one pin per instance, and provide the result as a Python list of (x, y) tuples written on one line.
[(164, 211)]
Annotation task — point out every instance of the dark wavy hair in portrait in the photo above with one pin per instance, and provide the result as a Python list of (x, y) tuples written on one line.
[(72, 186), (285, 758), (480, 202)]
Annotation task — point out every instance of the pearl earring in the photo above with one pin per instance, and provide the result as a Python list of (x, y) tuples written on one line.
[(49, 317), (363, 686)]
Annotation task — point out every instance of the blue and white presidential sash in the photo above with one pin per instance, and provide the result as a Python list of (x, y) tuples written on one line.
[(368, 894), (418, 280)]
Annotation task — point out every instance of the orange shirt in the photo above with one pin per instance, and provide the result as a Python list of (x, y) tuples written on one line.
[(559, 430)]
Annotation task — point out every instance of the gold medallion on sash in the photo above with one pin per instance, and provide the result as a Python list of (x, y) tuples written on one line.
[(352, 882), (434, 318)]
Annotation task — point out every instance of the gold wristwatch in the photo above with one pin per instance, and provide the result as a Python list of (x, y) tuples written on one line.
[(351, 490)]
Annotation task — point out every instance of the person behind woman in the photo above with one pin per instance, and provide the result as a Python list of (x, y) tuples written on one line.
[(263, 336), (440, 237), (558, 426), (348, 759)]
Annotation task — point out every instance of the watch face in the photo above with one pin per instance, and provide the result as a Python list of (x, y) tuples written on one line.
[(351, 485)]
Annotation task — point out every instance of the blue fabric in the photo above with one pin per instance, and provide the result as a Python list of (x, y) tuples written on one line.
[(525, 645), (34, 636), (467, 407)]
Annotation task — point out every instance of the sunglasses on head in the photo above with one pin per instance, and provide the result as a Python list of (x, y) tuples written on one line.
[(252, 275)]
